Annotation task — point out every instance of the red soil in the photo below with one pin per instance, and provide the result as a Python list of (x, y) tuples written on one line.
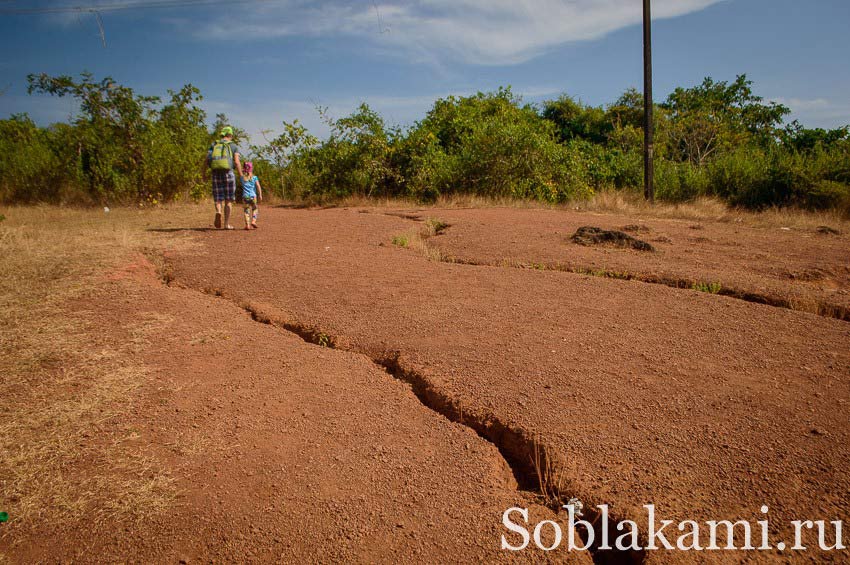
[(282, 451), (706, 406), (806, 269)]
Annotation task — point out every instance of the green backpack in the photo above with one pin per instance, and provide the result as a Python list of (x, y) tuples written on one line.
[(221, 157)]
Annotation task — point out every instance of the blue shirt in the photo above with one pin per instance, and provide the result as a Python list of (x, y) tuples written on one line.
[(249, 187)]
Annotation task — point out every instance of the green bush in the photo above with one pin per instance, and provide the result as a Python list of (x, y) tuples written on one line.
[(491, 145), (29, 166), (121, 148), (716, 138), (487, 144), (826, 194), (610, 167), (679, 181), (354, 159), (424, 169)]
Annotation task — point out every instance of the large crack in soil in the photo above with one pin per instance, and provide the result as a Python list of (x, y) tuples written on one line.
[(533, 463), (814, 306), (825, 309)]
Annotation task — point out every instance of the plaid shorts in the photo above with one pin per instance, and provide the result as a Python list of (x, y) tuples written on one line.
[(224, 186)]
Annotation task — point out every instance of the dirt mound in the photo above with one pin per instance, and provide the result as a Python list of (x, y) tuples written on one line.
[(636, 228), (828, 230), (591, 235)]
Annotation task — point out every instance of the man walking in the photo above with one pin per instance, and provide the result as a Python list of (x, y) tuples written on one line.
[(223, 159)]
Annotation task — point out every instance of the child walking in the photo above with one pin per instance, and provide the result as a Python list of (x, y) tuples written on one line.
[(252, 193)]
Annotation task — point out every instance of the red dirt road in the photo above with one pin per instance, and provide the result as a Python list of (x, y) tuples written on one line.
[(706, 406), (408, 438), (281, 451)]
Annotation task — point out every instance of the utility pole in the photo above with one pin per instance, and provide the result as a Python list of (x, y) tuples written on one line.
[(648, 126)]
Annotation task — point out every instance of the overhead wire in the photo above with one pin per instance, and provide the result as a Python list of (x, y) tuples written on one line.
[(97, 9), (139, 5)]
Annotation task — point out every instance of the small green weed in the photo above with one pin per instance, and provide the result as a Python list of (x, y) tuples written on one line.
[(710, 288), (401, 240), (604, 274), (435, 226), (323, 340)]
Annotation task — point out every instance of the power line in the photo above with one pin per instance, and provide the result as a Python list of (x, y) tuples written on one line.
[(100, 27), (98, 8), (381, 27), (140, 5)]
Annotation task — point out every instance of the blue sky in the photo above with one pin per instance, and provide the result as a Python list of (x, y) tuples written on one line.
[(265, 61)]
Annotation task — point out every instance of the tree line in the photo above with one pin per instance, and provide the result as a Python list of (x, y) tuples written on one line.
[(717, 138)]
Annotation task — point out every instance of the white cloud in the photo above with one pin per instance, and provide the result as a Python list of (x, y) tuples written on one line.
[(486, 32), (815, 106), (816, 112), (804, 104)]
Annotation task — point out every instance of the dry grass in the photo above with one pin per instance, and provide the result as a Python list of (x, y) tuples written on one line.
[(629, 204), (556, 476), (417, 240), (550, 478), (61, 383), (457, 201), (712, 210)]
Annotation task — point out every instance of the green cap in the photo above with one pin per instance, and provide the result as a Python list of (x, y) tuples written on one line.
[(226, 130)]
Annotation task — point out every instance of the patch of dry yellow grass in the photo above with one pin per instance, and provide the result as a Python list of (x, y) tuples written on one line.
[(473, 201), (417, 240), (61, 382), (456, 201), (711, 210), (627, 204)]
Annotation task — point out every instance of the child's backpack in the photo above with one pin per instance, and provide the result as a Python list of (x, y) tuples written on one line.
[(221, 157)]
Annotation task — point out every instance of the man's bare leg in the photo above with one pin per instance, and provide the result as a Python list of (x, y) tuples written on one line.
[(228, 206), (217, 222)]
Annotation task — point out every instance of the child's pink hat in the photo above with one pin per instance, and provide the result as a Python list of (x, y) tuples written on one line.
[(248, 166)]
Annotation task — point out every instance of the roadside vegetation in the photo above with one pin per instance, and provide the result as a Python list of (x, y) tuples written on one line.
[(717, 139)]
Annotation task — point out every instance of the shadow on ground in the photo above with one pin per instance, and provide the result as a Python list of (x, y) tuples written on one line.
[(172, 230)]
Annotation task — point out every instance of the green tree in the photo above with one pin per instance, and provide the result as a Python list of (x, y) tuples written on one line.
[(111, 130), (799, 138), (240, 136), (355, 159), (177, 140), (29, 166), (574, 120), (282, 150), (716, 116), (492, 144), (627, 110)]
